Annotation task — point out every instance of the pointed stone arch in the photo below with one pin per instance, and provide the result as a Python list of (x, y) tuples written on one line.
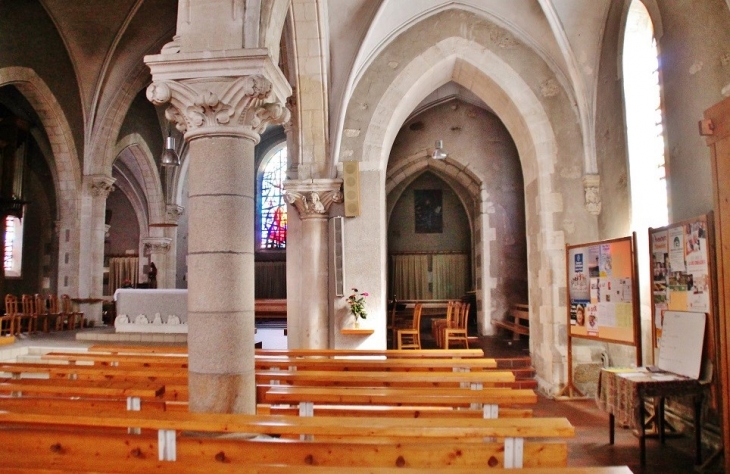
[(379, 107), (66, 169), (151, 181)]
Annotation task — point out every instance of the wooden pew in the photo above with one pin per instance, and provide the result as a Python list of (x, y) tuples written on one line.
[(172, 375), (133, 393), (79, 405), (385, 353), (138, 349), (385, 411), (127, 360), (152, 360), (488, 400), (376, 364), (283, 469), (440, 436), (517, 321)]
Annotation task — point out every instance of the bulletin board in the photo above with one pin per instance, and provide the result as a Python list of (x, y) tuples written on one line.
[(602, 296), (602, 291), (683, 279), (681, 269)]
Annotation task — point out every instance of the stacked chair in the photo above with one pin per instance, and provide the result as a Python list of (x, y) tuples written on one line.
[(33, 313)]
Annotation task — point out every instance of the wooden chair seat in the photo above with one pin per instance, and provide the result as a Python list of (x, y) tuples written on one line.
[(457, 334), (410, 338)]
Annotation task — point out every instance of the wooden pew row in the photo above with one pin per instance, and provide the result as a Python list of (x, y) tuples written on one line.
[(280, 362), (488, 400), (175, 380), (135, 360), (151, 360), (386, 411), (387, 353), (138, 349), (80, 405), (376, 364), (381, 433), (280, 469), (91, 451)]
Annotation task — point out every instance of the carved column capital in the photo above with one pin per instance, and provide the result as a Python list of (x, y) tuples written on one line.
[(100, 185), (313, 198), (156, 245), (591, 187), (173, 213), (223, 94)]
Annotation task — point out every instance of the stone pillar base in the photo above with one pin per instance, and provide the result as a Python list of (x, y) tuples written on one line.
[(222, 393)]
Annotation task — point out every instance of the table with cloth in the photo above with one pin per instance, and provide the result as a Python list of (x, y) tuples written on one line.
[(622, 393)]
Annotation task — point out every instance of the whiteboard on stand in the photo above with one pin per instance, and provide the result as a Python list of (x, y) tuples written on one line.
[(680, 348)]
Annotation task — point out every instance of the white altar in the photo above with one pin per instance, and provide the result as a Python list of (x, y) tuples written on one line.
[(151, 310)]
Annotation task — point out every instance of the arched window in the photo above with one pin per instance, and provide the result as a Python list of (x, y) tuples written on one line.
[(644, 125), (13, 251), (273, 206)]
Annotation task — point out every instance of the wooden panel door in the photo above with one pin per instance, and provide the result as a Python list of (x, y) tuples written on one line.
[(716, 128)]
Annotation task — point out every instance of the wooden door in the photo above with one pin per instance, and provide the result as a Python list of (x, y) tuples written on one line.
[(716, 128)]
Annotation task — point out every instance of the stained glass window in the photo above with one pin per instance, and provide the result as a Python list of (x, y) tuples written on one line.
[(9, 241), (273, 206), (13, 246)]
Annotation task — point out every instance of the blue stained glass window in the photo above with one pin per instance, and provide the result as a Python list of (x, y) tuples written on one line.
[(273, 206)]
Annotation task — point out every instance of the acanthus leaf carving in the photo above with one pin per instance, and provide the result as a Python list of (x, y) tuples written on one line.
[(246, 102)]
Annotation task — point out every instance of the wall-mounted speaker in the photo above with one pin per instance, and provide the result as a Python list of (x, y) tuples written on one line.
[(351, 186), (338, 246)]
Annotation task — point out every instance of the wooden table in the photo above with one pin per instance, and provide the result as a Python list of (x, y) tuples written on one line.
[(622, 393)]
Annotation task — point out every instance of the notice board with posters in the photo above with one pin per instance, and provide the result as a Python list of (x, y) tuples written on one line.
[(682, 273), (602, 296), (602, 291)]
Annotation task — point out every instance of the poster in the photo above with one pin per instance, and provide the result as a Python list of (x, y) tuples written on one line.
[(579, 280), (592, 319), (676, 249)]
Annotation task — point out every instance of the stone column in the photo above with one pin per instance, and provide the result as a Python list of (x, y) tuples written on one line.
[(221, 101), (91, 245), (312, 199), (158, 251)]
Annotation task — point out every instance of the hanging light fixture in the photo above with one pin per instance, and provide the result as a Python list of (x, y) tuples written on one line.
[(439, 153), (169, 157)]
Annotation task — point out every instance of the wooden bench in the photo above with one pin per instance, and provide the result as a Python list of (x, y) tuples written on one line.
[(488, 400), (138, 349), (517, 321), (384, 353), (95, 372), (127, 360), (270, 309), (281, 469), (453, 440), (376, 364), (133, 393)]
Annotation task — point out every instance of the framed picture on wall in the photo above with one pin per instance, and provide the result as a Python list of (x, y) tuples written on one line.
[(428, 211)]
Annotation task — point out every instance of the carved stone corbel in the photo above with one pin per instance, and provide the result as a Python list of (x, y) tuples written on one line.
[(313, 198), (591, 187), (156, 245), (101, 186), (173, 213)]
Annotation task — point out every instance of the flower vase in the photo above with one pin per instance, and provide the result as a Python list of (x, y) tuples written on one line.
[(357, 323)]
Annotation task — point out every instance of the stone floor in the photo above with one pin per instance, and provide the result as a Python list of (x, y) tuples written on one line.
[(589, 447)]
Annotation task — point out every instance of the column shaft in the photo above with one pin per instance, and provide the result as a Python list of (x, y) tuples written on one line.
[(314, 319), (221, 275)]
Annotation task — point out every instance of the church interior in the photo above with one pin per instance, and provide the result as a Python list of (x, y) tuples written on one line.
[(351, 175)]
